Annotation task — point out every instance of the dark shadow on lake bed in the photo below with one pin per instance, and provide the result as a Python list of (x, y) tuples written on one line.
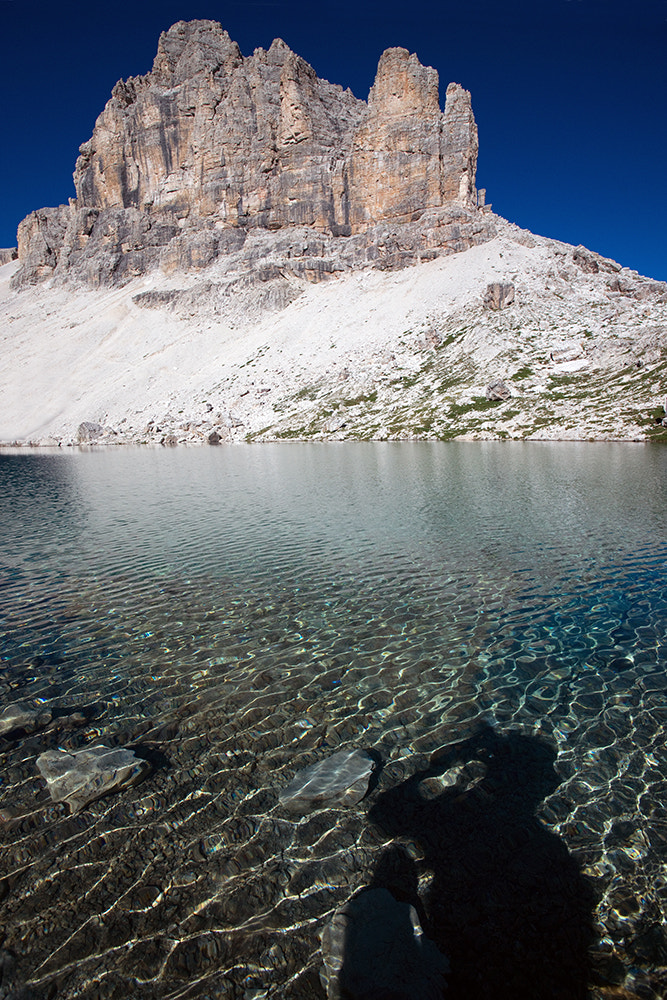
[(507, 903)]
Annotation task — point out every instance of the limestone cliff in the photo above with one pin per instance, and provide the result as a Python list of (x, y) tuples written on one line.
[(186, 160)]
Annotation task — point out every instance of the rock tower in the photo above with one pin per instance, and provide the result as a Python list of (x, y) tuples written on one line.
[(185, 161)]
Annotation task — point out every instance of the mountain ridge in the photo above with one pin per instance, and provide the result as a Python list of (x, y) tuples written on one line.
[(188, 159), (406, 309)]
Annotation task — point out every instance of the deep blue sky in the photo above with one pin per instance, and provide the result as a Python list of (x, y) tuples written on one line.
[(570, 96)]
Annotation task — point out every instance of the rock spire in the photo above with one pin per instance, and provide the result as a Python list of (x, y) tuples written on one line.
[(187, 159)]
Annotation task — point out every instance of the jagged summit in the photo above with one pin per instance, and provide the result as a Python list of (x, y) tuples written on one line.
[(218, 190), (188, 158)]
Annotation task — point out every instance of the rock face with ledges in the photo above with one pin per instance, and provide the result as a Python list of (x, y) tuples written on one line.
[(406, 155), (211, 143)]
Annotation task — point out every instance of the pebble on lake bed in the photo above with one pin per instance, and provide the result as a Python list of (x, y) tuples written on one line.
[(80, 777), (21, 715), (374, 947), (341, 779)]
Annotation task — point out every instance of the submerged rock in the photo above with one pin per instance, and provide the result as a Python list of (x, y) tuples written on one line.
[(374, 947), (80, 777), (22, 715), (341, 779), (10, 987)]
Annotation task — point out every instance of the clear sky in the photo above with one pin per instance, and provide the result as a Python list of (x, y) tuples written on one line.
[(570, 96)]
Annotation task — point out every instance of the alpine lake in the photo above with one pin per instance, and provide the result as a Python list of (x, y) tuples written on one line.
[(488, 620)]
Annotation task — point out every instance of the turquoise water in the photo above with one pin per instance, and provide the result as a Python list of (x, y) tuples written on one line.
[(239, 613)]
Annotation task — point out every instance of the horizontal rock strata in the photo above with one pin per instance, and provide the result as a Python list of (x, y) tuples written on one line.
[(187, 159)]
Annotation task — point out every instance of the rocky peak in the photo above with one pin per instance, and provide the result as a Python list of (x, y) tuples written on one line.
[(192, 47), (210, 144), (403, 86)]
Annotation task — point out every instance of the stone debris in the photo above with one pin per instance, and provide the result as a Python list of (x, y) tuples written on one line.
[(341, 779), (80, 777), (23, 715), (498, 296), (374, 947), (89, 431), (566, 353), (497, 391)]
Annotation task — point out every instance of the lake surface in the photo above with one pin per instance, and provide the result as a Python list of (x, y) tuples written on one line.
[(489, 619)]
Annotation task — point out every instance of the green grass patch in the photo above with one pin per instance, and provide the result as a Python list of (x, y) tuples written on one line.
[(651, 423), (479, 404), (370, 397), (447, 341), (308, 392), (559, 381)]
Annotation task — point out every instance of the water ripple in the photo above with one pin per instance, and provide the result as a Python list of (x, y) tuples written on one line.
[(240, 614)]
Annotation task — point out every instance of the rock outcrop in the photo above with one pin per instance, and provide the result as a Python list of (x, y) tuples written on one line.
[(499, 295), (186, 160)]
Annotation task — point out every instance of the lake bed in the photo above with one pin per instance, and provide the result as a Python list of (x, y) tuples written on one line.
[(488, 619)]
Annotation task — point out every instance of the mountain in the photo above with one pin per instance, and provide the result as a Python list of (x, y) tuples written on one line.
[(189, 159), (256, 254)]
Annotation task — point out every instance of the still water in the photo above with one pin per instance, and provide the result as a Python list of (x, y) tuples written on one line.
[(489, 619)]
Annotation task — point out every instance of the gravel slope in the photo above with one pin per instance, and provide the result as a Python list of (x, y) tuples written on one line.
[(368, 355)]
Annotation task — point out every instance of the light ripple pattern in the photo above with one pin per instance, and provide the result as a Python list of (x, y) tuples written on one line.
[(238, 614)]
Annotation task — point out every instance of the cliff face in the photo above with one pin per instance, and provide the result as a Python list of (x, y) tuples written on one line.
[(185, 160)]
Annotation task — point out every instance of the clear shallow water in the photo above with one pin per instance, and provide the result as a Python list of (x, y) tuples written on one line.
[(240, 613)]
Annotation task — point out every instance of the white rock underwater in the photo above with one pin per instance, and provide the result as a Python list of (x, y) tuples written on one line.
[(85, 775), (341, 779)]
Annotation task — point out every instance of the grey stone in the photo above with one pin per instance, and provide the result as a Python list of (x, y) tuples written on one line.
[(214, 438), (374, 947), (8, 254), (497, 391), (341, 779), (23, 715), (498, 295), (88, 431), (41, 237), (571, 352), (585, 260), (84, 775)]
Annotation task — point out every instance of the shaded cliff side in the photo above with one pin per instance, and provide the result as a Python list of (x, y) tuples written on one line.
[(186, 160)]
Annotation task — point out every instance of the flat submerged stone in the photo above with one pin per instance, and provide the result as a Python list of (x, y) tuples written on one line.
[(341, 779), (22, 715), (80, 777)]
